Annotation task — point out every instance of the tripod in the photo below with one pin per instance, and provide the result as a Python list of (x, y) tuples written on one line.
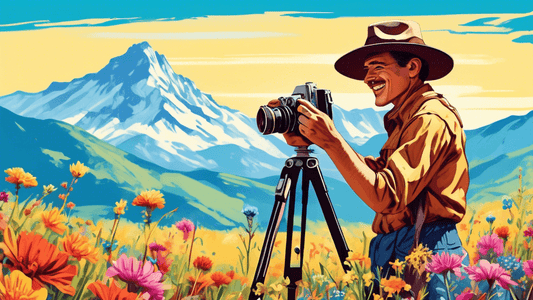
[(287, 186)]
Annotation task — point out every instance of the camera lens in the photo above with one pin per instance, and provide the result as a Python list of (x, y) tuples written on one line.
[(274, 119)]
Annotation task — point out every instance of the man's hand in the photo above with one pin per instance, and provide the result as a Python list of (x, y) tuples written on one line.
[(291, 138)]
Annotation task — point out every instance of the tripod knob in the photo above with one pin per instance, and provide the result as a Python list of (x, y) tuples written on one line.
[(312, 163)]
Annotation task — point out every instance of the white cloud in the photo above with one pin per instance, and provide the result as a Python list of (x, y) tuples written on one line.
[(321, 59), (223, 35)]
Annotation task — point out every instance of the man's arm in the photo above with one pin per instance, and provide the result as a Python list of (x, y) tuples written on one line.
[(408, 170)]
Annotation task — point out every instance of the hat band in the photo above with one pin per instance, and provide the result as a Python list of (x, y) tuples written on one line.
[(373, 40)]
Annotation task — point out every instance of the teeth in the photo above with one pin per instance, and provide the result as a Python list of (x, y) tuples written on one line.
[(378, 87)]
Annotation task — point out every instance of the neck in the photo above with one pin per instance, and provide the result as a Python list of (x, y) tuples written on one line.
[(413, 87)]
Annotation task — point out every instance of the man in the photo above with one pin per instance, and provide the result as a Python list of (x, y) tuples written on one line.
[(421, 175)]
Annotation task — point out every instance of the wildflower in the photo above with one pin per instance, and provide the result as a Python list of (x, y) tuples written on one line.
[(53, 220), (465, 295), (398, 265), (137, 275), (163, 263), (490, 219), (203, 263), (185, 226), (502, 232), (489, 242), (18, 286), (512, 265), (349, 277), (444, 263), (491, 273), (78, 246), (528, 268), (463, 227), (71, 205), (46, 266), (78, 170), (112, 292), (150, 199), (120, 207), (3, 221), (507, 202), (231, 274), (61, 196), (27, 211), (48, 189), (89, 223), (419, 257), (394, 285), (17, 176), (528, 232), (197, 284), (107, 246), (368, 277), (377, 297), (250, 212), (220, 278), (360, 258), (156, 247), (4, 197), (64, 185)]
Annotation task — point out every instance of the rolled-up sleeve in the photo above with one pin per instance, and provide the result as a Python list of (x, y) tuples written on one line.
[(411, 166)]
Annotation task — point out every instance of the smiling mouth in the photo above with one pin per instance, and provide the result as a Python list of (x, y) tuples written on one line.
[(378, 87)]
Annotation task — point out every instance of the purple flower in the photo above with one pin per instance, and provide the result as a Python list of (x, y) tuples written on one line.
[(156, 247), (185, 226), (528, 232), (4, 197)]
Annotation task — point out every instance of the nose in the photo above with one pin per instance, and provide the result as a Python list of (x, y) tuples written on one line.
[(369, 77)]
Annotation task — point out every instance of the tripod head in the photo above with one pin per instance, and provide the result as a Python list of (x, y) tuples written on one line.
[(303, 151)]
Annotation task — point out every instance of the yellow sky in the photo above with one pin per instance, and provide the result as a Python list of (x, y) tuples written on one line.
[(244, 61)]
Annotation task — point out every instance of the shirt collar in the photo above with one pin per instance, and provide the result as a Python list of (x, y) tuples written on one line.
[(401, 113)]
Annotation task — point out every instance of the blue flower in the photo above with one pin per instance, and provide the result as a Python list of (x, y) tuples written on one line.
[(512, 264), (152, 260), (507, 202), (491, 219), (106, 245), (250, 211)]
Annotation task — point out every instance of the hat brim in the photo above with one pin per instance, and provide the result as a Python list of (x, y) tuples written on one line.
[(352, 63)]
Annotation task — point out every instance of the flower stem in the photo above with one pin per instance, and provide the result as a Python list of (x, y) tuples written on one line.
[(113, 232), (447, 284), (14, 206), (66, 195), (192, 243)]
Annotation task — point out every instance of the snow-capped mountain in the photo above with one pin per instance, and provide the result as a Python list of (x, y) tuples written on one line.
[(140, 105)]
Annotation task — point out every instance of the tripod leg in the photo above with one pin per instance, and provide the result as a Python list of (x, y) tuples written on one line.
[(282, 190), (334, 227)]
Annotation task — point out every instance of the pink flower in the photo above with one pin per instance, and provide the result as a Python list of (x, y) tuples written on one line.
[(4, 197), (186, 226), (444, 263), (491, 273), (528, 232), (131, 271), (156, 247), (488, 242), (528, 268), (465, 295)]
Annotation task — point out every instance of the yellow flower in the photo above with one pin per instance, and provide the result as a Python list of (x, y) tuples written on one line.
[(78, 170), (261, 289), (368, 278), (394, 285), (277, 287), (120, 207), (418, 258), (398, 265), (377, 297), (53, 220), (18, 286), (349, 277), (150, 199), (17, 176), (78, 246), (47, 190), (363, 261)]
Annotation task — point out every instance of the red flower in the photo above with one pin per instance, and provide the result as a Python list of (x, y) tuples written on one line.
[(220, 278), (203, 263), (41, 261), (113, 292)]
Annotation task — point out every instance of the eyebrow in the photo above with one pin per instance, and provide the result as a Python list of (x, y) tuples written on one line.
[(375, 62)]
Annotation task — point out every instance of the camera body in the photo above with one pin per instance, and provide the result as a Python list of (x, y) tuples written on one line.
[(284, 118)]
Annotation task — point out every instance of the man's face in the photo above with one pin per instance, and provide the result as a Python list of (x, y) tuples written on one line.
[(386, 78)]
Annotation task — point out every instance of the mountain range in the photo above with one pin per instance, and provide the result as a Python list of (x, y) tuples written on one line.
[(138, 125)]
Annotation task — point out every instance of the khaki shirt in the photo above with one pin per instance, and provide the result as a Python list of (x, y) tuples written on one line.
[(424, 155)]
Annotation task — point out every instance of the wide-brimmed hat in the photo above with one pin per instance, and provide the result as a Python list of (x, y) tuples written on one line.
[(397, 35)]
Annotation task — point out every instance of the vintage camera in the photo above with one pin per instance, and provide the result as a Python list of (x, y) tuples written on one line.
[(284, 118)]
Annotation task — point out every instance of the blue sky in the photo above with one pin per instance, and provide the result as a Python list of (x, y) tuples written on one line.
[(21, 11)]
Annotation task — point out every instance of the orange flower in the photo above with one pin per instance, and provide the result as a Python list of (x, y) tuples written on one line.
[(61, 196), (53, 220), (502, 232), (151, 199), (231, 274), (78, 170), (463, 227), (394, 285), (360, 258), (77, 245), (220, 278), (203, 263), (64, 185), (71, 205), (89, 222), (197, 284), (18, 286), (27, 211), (48, 265), (18, 176), (120, 207), (113, 292)]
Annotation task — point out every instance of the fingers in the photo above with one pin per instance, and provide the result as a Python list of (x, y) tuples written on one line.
[(304, 104), (274, 103)]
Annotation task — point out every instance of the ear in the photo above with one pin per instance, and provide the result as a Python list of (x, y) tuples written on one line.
[(414, 65)]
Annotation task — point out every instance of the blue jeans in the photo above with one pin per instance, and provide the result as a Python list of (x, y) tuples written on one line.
[(439, 237)]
